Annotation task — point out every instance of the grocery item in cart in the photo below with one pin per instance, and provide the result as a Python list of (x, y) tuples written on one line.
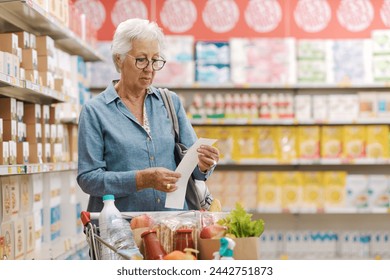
[(152, 246), (116, 231)]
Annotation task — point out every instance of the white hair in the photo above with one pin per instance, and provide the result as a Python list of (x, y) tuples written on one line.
[(130, 30)]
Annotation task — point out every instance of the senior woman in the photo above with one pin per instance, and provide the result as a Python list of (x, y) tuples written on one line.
[(126, 146)]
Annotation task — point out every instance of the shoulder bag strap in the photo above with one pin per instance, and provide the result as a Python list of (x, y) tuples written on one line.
[(166, 96)]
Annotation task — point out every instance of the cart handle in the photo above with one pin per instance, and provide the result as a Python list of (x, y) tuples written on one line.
[(85, 217)]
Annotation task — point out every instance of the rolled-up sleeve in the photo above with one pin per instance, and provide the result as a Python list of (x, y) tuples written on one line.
[(93, 177)]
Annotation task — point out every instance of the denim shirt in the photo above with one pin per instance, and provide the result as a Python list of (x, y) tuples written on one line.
[(113, 146)]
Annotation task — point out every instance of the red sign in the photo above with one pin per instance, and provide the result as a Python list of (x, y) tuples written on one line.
[(220, 20)]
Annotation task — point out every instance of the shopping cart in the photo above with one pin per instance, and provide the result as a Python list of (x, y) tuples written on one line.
[(94, 241)]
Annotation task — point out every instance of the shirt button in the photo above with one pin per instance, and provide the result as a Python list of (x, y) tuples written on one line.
[(152, 158), (158, 200)]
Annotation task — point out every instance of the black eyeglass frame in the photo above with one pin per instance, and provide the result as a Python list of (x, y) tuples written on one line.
[(141, 59)]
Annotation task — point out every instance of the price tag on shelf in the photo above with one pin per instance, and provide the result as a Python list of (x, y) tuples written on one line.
[(10, 170)]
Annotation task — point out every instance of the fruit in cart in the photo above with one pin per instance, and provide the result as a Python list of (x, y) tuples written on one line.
[(141, 221), (213, 231), (179, 255)]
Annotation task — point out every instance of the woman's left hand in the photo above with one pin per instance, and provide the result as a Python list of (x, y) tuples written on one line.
[(208, 157)]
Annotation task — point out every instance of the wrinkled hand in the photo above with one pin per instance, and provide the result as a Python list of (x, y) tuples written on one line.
[(208, 157), (159, 178)]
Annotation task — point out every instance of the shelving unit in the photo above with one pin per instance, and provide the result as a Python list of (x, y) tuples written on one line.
[(28, 16), (294, 222)]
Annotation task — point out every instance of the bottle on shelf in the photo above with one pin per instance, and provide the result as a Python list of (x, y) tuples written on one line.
[(116, 232)]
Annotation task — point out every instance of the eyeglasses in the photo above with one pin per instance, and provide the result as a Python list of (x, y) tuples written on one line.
[(142, 62)]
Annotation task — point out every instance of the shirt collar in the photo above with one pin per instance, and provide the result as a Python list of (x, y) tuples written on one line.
[(110, 94)]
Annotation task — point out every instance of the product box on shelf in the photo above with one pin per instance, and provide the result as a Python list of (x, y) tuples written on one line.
[(4, 153), (377, 143), (22, 152), (32, 113), (368, 105), (291, 185), (309, 142), (19, 110), (8, 108), (7, 230), (46, 64), (378, 191), (267, 143), (2, 249), (46, 79), (357, 191), (20, 238), (9, 43), (287, 143), (36, 153), (245, 143), (29, 59), (303, 107), (1, 130), (354, 142), (269, 194), (12, 152), (334, 189), (10, 130), (45, 45), (23, 39), (34, 133), (30, 236), (313, 191), (32, 76), (52, 207), (26, 194), (331, 142), (5, 199), (21, 132)]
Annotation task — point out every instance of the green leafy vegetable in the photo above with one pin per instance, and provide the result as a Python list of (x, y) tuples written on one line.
[(239, 223)]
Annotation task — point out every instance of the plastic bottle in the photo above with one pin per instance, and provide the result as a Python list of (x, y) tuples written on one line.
[(116, 231)]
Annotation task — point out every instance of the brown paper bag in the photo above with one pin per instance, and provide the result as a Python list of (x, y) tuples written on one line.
[(247, 248)]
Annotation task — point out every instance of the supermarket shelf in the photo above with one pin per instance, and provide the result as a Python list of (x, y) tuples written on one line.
[(245, 121), (36, 168), (28, 91), (27, 15), (297, 86), (319, 162), (341, 210), (62, 248)]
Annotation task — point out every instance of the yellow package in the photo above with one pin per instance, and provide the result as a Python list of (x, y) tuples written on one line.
[(267, 143), (203, 131), (331, 142), (334, 189), (225, 136), (291, 185), (354, 138), (308, 142), (269, 191), (287, 141), (377, 146), (313, 190), (245, 139)]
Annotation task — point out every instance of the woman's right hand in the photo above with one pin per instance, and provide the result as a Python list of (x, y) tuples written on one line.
[(159, 178)]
